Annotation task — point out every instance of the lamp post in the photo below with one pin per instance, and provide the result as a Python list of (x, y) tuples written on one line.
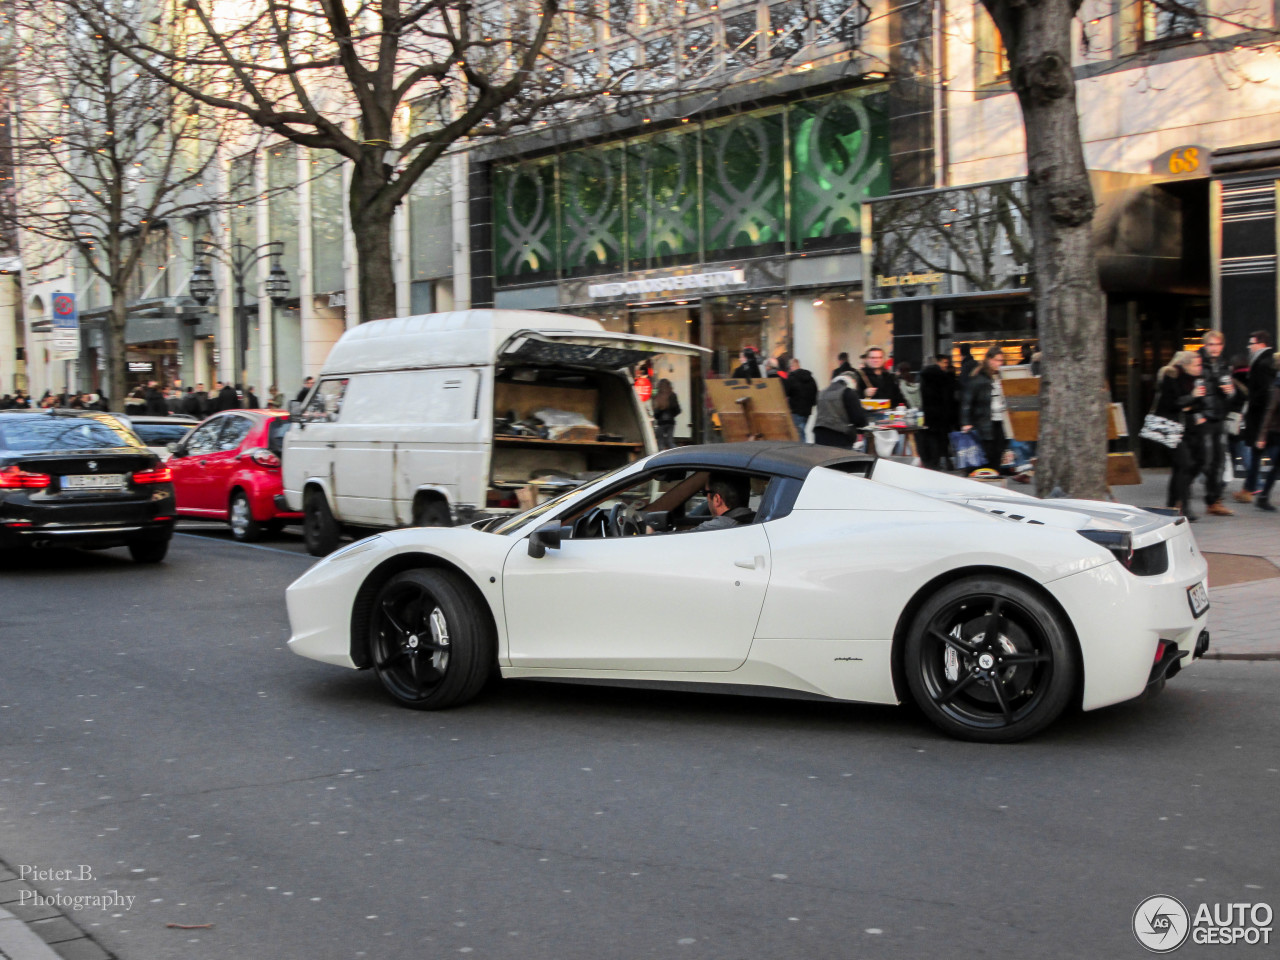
[(238, 260)]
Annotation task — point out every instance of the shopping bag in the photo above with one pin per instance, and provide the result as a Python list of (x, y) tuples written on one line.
[(968, 451)]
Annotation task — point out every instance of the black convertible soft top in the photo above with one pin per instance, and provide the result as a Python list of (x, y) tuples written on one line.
[(782, 458)]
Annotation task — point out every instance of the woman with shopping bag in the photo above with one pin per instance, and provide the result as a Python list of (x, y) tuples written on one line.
[(982, 407), (1180, 400)]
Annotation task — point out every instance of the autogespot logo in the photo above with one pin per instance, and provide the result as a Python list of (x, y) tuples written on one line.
[(1161, 924)]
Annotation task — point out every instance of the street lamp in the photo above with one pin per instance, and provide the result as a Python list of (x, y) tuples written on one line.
[(239, 260)]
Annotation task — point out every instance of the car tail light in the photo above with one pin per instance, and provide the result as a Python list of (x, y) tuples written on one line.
[(15, 478), (263, 457), (163, 475), (1119, 542)]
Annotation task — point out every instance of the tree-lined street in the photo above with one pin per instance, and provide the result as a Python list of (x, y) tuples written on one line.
[(157, 730)]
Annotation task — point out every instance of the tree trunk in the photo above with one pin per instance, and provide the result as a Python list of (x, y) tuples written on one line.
[(117, 351), (371, 226), (1070, 310)]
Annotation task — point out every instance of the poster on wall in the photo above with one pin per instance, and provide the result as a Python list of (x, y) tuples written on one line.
[(956, 242)]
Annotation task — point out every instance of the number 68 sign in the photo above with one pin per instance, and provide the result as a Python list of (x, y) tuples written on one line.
[(1189, 161)]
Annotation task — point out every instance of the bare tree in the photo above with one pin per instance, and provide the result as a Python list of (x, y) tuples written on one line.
[(107, 158), (343, 76)]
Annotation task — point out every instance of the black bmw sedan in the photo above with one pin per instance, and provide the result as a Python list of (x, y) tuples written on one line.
[(81, 479)]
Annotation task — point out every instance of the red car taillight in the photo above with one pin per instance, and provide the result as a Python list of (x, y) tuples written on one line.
[(263, 457), (163, 475), (15, 478)]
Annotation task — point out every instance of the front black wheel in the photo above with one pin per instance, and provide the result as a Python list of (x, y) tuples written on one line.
[(429, 645), (319, 529), (987, 659), (148, 551)]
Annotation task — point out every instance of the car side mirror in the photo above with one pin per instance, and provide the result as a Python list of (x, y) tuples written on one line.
[(172, 447), (547, 535)]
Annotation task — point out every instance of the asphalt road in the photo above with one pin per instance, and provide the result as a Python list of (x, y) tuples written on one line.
[(154, 728)]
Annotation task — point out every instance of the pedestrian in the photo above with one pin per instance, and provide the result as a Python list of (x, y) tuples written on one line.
[(275, 399), (1220, 392), (967, 363), (802, 394), (306, 388), (1261, 372), (840, 413), (748, 366), (666, 408), (844, 366), (173, 399), (228, 397), (1267, 446), (251, 399), (908, 385), (1180, 398), (156, 405), (982, 407), (941, 408), (877, 382)]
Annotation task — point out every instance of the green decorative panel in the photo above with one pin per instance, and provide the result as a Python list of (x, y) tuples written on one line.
[(662, 199), (524, 221), (591, 200), (742, 175), (839, 158)]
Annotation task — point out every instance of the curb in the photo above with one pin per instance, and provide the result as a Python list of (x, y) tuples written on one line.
[(45, 935)]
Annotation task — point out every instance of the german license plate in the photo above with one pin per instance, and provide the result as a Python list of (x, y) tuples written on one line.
[(1198, 597), (96, 481)]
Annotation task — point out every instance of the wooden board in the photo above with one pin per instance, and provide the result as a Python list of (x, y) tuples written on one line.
[(752, 409), (1122, 469), (1022, 407)]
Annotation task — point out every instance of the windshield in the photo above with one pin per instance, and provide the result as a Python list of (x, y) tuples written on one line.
[(518, 520), (160, 434), (37, 435)]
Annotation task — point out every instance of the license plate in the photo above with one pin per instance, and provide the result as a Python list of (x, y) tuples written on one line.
[(96, 481), (1198, 597)]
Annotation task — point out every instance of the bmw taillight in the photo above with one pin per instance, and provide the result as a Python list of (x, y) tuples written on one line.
[(15, 478), (264, 457), (163, 475)]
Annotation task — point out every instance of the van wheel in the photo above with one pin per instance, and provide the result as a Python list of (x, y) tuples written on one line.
[(319, 529), (430, 645), (431, 513)]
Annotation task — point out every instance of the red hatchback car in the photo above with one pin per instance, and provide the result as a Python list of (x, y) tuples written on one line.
[(228, 468)]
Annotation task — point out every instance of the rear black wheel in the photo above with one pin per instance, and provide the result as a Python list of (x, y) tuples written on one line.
[(148, 551), (319, 529), (240, 517), (988, 659), (429, 646)]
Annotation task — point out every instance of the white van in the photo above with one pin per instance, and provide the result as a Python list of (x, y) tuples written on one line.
[(422, 420)]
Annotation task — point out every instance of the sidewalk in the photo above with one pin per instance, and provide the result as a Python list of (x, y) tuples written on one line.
[(30, 932)]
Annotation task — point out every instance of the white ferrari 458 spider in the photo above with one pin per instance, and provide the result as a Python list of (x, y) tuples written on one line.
[(777, 568)]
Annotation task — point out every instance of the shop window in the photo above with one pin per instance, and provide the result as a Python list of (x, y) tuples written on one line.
[(698, 55), (788, 24), (761, 323), (662, 199), (839, 21), (839, 158), (327, 197), (524, 220), (743, 184), (740, 34), (282, 203)]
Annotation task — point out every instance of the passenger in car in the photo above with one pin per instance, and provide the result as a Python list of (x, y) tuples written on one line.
[(727, 498)]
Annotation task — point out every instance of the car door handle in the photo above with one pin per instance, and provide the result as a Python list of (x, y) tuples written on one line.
[(755, 563), (204, 463), (330, 445)]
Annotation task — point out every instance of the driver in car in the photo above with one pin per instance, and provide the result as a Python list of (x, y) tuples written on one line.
[(727, 498)]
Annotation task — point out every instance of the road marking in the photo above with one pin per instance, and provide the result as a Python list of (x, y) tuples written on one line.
[(251, 546)]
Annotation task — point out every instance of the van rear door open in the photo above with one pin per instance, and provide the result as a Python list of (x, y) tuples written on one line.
[(596, 351)]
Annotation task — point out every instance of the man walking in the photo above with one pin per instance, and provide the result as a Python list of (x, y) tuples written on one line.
[(802, 394), (1261, 371), (1219, 392), (940, 404)]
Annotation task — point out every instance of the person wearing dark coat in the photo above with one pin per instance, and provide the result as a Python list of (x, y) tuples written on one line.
[(1268, 445), (877, 382), (802, 394), (156, 406), (1181, 399), (982, 407), (941, 408), (1257, 386), (228, 398), (844, 367), (840, 413), (748, 367), (192, 402), (1219, 394), (251, 400), (306, 388), (666, 408)]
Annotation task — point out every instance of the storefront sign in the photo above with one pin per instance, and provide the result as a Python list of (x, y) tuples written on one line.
[(140, 366), (688, 281), (949, 244)]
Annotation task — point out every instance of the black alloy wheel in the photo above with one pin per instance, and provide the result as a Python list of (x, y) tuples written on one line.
[(988, 659), (240, 518), (320, 530), (429, 644)]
